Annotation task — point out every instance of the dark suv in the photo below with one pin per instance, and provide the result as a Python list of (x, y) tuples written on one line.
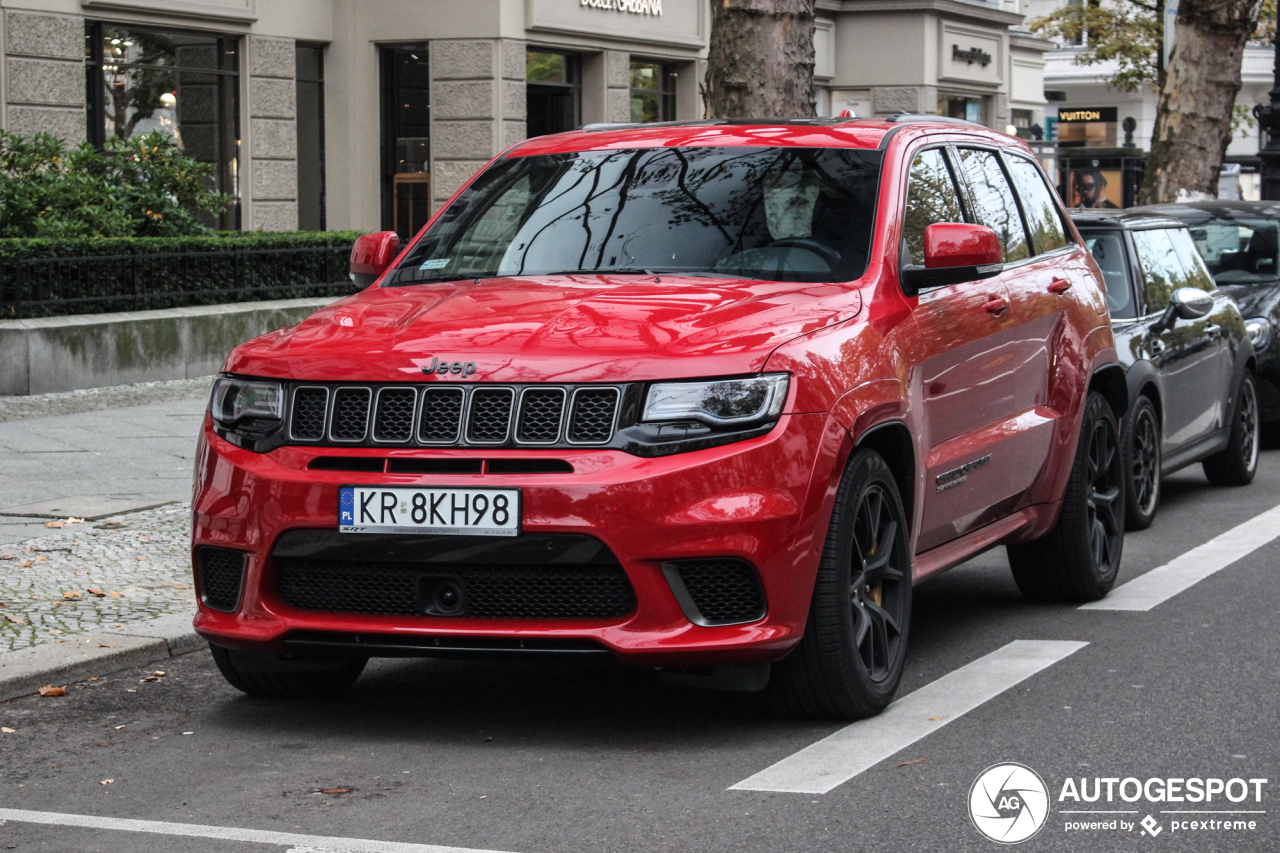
[(706, 397), (1189, 361)]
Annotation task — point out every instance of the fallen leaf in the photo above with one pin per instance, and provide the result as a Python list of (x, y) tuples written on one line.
[(152, 678), (7, 730), (905, 763), (96, 592), (75, 520), (3, 606), (56, 631), (105, 743), (115, 594), (71, 596), (97, 677), (17, 620), (937, 718), (102, 646), (106, 781), (25, 564), (122, 726), (158, 672), (43, 559), (6, 557), (57, 525), (336, 791), (141, 559), (50, 690), (180, 586)]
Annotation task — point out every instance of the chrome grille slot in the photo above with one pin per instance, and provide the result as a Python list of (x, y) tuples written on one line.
[(441, 418), (592, 415), (393, 415), (489, 415), (541, 410), (310, 404), (350, 418)]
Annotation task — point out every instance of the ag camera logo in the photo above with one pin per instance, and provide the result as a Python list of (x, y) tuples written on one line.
[(1008, 803)]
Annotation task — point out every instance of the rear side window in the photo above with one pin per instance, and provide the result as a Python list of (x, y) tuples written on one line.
[(1037, 202), (1192, 263), (931, 197), (1107, 249), (994, 202), (1239, 251), (1162, 270)]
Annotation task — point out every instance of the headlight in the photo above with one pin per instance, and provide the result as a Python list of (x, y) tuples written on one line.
[(724, 402), (234, 399), (1259, 332)]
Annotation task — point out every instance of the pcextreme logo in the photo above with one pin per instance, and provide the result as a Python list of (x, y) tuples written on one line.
[(1009, 803)]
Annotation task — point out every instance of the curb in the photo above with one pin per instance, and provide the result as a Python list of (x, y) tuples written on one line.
[(82, 656)]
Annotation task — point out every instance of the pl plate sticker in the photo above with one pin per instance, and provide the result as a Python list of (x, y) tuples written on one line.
[(435, 264)]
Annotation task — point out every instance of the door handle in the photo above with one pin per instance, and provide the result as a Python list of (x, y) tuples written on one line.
[(1059, 286), (997, 305)]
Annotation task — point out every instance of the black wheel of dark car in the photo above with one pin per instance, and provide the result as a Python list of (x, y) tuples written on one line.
[(306, 684), (1236, 465), (1078, 559), (850, 660), (1141, 443)]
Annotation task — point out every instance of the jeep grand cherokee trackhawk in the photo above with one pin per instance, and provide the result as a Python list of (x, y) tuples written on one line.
[(705, 397)]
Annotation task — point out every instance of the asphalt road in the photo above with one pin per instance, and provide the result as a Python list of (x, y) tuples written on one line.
[(549, 758)]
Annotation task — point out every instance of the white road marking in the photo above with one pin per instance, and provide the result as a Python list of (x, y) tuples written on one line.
[(834, 760), (228, 833), (1181, 573)]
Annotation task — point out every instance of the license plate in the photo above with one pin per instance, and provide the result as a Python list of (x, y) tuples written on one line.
[(457, 512)]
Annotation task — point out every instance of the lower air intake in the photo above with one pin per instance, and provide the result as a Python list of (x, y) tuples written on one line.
[(716, 592), (220, 576)]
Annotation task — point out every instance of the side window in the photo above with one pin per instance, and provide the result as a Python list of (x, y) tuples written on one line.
[(1162, 271), (1197, 273), (1107, 249), (931, 197), (993, 201), (1043, 221)]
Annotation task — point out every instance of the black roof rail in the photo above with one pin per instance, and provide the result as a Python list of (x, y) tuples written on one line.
[(905, 117)]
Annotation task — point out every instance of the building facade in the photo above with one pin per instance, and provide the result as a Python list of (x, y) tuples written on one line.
[(367, 114)]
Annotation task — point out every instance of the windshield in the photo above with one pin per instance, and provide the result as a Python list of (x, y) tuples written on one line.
[(1239, 251), (779, 214)]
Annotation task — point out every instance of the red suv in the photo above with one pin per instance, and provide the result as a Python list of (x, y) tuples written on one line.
[(705, 397)]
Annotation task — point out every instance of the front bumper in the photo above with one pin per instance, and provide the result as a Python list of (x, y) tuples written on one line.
[(765, 500)]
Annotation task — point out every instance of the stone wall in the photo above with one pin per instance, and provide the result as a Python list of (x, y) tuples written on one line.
[(44, 72), (273, 134)]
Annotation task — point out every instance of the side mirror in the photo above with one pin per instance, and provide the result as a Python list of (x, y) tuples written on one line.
[(954, 252), (1190, 303), (371, 255)]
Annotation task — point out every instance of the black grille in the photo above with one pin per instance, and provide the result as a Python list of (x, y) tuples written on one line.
[(489, 417), (221, 574), (725, 592), (532, 592), (441, 418), (539, 418), (350, 414), (591, 420), (393, 420), (309, 405)]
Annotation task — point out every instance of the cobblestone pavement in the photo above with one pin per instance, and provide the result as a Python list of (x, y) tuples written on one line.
[(140, 564), (93, 399)]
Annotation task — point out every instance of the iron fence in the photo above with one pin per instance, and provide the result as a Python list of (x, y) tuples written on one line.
[(95, 284)]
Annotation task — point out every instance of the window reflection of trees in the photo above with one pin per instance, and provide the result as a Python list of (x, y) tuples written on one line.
[(1046, 228), (993, 198), (931, 198)]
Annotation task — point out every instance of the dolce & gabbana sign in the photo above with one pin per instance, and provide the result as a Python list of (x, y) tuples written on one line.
[(635, 7)]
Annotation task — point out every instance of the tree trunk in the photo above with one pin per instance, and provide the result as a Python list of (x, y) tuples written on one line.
[(1193, 122), (760, 63)]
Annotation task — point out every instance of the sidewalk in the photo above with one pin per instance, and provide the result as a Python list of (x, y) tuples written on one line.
[(96, 596)]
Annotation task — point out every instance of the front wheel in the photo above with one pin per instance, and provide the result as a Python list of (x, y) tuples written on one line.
[(1238, 462), (851, 657), (1079, 558), (1141, 443), (319, 677)]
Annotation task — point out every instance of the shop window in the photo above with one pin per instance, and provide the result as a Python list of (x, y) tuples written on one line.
[(183, 84), (554, 92), (653, 92), (1023, 121), (310, 95), (961, 106), (406, 139)]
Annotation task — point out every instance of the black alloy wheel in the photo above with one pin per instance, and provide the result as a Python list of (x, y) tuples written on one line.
[(1237, 464), (849, 662), (1142, 452), (1079, 558)]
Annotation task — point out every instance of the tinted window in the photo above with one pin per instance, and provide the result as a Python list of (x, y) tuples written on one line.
[(1239, 252), (931, 197), (1161, 267), (779, 214), (1107, 249), (1042, 213), (993, 201), (1192, 263)]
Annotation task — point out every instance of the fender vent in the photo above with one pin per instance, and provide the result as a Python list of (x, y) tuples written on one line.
[(716, 592), (219, 577)]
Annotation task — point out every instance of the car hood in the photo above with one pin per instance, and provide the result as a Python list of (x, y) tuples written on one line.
[(1255, 300), (581, 328)]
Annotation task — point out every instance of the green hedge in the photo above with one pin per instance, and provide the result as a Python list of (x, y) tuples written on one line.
[(43, 278)]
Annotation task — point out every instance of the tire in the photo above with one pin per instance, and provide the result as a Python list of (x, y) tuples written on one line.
[(1140, 439), (850, 660), (1238, 463), (336, 677), (1079, 558)]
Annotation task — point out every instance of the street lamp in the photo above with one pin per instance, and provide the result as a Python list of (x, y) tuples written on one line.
[(1268, 117)]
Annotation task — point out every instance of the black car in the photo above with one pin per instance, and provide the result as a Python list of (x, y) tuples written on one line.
[(1240, 244), (1189, 359)]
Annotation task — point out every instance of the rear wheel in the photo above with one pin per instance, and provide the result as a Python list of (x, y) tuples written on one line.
[(1236, 465), (1141, 442), (319, 678), (851, 658), (1078, 559)]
